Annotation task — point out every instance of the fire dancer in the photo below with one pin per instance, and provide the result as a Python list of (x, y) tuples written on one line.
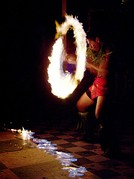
[(98, 63)]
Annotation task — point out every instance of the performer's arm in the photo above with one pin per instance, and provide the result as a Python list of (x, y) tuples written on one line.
[(102, 69)]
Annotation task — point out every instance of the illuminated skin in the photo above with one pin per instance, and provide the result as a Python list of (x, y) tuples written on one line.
[(98, 70)]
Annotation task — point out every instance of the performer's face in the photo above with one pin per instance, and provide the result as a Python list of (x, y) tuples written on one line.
[(94, 44)]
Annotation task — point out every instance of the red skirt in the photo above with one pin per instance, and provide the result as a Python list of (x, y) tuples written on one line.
[(98, 88)]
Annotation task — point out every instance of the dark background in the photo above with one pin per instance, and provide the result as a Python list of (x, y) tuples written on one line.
[(27, 30)]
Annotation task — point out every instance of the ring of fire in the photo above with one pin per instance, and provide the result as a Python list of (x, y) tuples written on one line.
[(63, 84)]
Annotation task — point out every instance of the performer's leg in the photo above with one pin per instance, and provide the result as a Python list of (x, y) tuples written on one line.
[(108, 137), (82, 105), (82, 121), (88, 126)]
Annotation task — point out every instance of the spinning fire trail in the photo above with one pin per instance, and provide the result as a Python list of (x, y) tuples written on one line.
[(63, 83)]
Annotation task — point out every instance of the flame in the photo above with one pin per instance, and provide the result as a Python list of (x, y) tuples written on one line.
[(64, 83), (25, 134)]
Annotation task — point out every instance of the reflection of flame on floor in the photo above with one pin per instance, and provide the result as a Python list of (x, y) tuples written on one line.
[(65, 159), (63, 83), (25, 134)]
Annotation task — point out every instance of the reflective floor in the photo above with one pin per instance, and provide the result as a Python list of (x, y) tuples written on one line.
[(23, 160)]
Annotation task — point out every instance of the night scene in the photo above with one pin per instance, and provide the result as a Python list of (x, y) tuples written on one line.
[(66, 89)]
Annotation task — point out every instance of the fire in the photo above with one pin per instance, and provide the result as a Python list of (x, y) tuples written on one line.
[(64, 83), (25, 134)]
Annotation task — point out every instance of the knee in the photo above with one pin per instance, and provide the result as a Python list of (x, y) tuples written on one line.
[(99, 113), (97, 116), (80, 107)]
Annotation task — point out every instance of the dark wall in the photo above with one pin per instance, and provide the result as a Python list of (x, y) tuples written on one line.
[(27, 30)]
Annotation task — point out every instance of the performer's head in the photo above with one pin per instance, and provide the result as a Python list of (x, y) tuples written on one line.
[(93, 40)]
